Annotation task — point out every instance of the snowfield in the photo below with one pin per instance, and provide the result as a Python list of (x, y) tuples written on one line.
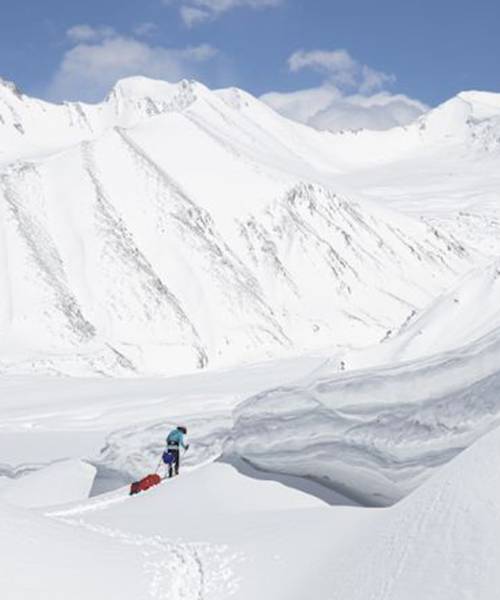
[(216, 533), (321, 310)]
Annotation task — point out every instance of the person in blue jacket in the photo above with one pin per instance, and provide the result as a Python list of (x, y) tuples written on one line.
[(175, 441)]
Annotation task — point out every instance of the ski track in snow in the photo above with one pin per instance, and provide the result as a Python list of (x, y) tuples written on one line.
[(175, 570)]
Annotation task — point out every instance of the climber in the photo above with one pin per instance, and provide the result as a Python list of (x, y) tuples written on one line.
[(175, 441)]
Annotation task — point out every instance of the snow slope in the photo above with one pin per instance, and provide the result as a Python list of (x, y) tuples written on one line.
[(66, 560), (43, 558), (172, 227), (444, 168), (439, 543), (157, 545), (216, 533), (465, 313), (375, 434), (59, 483), (269, 536), (268, 541)]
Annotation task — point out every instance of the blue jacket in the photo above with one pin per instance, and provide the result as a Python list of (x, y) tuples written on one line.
[(175, 439)]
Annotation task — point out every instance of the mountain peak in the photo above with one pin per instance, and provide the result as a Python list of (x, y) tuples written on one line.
[(471, 117), (12, 87), (484, 104), (156, 89)]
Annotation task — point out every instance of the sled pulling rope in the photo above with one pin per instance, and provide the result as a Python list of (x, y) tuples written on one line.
[(170, 456), (150, 480)]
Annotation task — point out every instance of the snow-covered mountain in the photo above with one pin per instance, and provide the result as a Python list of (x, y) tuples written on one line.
[(444, 168), (173, 227)]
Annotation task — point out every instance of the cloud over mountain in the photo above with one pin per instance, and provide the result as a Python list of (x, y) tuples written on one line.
[(351, 96), (99, 56)]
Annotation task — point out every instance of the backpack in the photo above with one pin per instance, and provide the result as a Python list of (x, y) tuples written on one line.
[(168, 458)]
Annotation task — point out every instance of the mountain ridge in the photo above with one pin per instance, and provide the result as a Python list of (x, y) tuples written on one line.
[(196, 228)]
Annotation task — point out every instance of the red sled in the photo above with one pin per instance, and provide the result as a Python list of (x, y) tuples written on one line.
[(145, 484)]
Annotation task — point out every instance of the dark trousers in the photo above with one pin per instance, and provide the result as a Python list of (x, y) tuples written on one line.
[(174, 465)]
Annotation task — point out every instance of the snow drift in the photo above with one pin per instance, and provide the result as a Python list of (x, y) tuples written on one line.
[(377, 434), (60, 483)]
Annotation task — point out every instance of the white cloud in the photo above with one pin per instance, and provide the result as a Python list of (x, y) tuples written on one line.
[(323, 60), (144, 29), (192, 15), (302, 105), (374, 80), (380, 111), (340, 69), (325, 107), (197, 11), (219, 6), (87, 33), (89, 70), (352, 95)]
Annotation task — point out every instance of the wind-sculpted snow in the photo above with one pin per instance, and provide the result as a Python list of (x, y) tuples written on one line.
[(375, 435), (135, 450)]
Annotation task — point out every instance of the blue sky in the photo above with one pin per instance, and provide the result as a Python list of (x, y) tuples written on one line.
[(421, 50)]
